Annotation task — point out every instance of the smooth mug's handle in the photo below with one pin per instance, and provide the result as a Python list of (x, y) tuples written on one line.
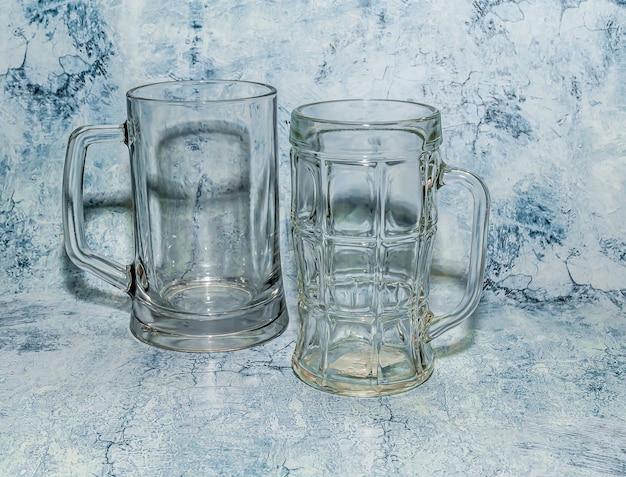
[(473, 289), (73, 214)]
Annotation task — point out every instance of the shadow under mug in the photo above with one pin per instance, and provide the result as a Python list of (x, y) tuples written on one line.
[(206, 273)]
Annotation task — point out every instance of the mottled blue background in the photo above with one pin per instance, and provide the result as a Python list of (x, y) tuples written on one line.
[(533, 97)]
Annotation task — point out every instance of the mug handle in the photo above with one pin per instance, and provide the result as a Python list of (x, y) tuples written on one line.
[(76, 245), (478, 246)]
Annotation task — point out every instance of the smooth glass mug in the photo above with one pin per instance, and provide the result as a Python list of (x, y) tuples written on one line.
[(365, 175), (206, 273)]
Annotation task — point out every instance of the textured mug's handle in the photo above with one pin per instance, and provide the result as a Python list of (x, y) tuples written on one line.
[(473, 289), (73, 214)]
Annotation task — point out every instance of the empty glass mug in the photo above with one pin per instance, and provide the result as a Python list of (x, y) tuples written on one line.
[(365, 175), (206, 274)]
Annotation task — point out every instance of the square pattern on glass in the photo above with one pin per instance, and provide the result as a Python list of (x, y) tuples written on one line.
[(309, 258), (351, 277), (306, 204), (352, 199), (402, 197)]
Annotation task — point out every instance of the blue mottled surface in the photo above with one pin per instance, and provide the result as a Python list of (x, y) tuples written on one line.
[(533, 98)]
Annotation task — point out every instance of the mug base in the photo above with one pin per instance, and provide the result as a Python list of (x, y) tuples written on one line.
[(360, 387), (211, 341)]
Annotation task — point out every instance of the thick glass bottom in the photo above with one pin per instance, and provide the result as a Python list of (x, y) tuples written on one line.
[(221, 330), (359, 381)]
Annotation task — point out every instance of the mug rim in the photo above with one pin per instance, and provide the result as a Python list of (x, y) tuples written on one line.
[(133, 93), (299, 112)]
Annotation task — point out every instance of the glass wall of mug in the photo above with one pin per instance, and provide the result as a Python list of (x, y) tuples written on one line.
[(206, 274), (365, 176)]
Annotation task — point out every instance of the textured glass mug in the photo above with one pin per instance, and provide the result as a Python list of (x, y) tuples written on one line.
[(365, 175), (206, 274)]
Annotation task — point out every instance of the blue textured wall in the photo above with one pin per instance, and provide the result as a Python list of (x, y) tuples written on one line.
[(532, 95)]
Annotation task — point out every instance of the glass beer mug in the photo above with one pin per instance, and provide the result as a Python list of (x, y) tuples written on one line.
[(365, 175), (206, 274)]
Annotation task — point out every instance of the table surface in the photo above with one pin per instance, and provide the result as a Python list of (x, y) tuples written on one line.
[(537, 389)]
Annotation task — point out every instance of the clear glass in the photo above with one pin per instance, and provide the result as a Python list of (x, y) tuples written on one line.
[(206, 274), (365, 175)]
